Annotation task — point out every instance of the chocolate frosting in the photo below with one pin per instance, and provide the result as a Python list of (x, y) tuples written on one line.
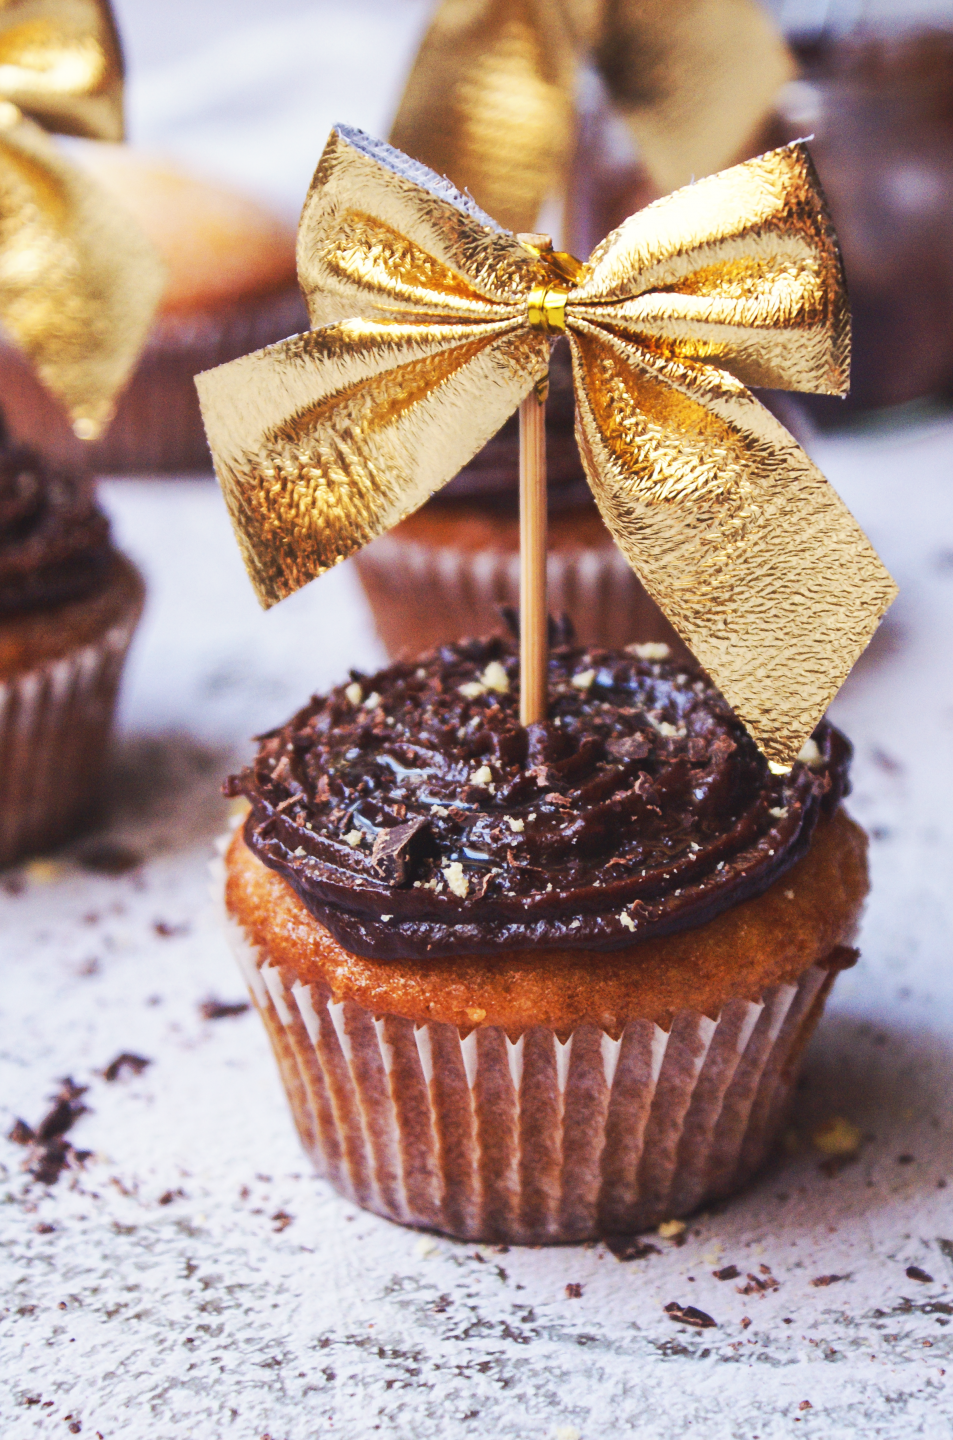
[(414, 815), (54, 539)]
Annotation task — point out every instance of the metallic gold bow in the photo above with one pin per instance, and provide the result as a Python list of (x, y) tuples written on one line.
[(78, 284), (435, 323), (491, 98)]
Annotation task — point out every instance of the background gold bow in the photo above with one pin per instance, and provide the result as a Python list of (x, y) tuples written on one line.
[(78, 284), (432, 330), (491, 98)]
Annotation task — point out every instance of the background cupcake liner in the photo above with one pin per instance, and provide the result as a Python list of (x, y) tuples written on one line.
[(543, 1140), (423, 595), (55, 721), (157, 425)]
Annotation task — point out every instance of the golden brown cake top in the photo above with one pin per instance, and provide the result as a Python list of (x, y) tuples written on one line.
[(415, 816)]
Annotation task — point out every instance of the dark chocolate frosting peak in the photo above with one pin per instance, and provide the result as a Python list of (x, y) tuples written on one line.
[(414, 815), (54, 539)]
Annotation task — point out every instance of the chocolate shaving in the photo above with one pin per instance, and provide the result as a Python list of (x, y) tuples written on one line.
[(395, 851), (630, 1247), (135, 1064), (913, 1272), (213, 1009), (728, 1272), (48, 1153), (690, 1315)]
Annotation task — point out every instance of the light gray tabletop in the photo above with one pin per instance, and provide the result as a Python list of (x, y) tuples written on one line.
[(194, 1280)]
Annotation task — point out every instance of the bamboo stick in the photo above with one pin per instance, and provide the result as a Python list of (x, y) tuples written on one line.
[(533, 610)]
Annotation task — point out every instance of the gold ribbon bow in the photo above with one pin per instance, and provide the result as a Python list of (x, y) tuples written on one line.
[(491, 98), (78, 284), (435, 323)]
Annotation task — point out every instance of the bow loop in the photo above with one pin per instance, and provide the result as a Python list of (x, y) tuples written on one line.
[(328, 439)]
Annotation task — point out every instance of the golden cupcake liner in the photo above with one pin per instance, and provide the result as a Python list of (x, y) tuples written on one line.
[(543, 1140), (157, 426), (422, 595), (55, 722)]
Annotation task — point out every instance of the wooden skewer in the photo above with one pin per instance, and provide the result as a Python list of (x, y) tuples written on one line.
[(533, 610)]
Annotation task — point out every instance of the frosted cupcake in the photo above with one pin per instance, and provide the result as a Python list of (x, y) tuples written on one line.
[(547, 983)]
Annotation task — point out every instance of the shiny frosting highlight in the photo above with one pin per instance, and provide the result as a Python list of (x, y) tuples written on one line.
[(414, 815), (424, 347)]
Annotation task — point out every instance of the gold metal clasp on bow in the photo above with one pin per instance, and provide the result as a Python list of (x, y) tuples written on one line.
[(432, 324), (78, 284)]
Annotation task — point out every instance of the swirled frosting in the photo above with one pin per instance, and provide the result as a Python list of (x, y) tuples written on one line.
[(414, 815), (54, 539)]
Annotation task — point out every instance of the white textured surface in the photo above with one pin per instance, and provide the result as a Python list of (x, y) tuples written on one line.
[(201, 1318)]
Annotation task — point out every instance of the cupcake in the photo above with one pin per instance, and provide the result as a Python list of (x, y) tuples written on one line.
[(545, 983), (69, 603), (463, 545), (230, 288)]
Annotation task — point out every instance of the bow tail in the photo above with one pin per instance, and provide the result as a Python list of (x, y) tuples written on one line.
[(733, 531), (78, 284), (327, 440)]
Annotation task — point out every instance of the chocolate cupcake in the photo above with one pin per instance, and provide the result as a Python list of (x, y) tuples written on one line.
[(230, 288), (544, 983), (69, 603)]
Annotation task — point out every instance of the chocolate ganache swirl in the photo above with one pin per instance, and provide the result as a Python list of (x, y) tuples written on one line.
[(414, 815), (54, 539)]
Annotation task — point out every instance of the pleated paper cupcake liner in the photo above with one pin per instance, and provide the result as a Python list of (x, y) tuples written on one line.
[(544, 1139), (55, 722), (423, 595)]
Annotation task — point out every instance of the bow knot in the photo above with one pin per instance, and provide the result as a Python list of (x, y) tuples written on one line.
[(433, 323)]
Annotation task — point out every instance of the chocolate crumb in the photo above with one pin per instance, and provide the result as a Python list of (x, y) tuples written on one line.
[(629, 1247), (135, 1064), (728, 1272), (913, 1272), (905, 1159), (44, 1229), (167, 930), (805, 1405), (821, 1280), (689, 1315), (213, 1009), (757, 1285), (573, 1291), (168, 1196), (48, 1153), (745, 1322), (108, 858), (281, 1220)]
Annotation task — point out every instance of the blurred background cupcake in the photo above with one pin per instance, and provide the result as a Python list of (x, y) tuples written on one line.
[(614, 107), (876, 92), (230, 287), (78, 287)]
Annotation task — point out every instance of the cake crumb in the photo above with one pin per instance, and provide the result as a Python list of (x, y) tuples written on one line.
[(385, 918), (482, 776), (475, 1014), (354, 693), (627, 920), (440, 810), (515, 825), (651, 650), (472, 690), (353, 838), (372, 701), (583, 681), (456, 880), (809, 754), (778, 811), (495, 678), (670, 1228), (837, 1136)]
